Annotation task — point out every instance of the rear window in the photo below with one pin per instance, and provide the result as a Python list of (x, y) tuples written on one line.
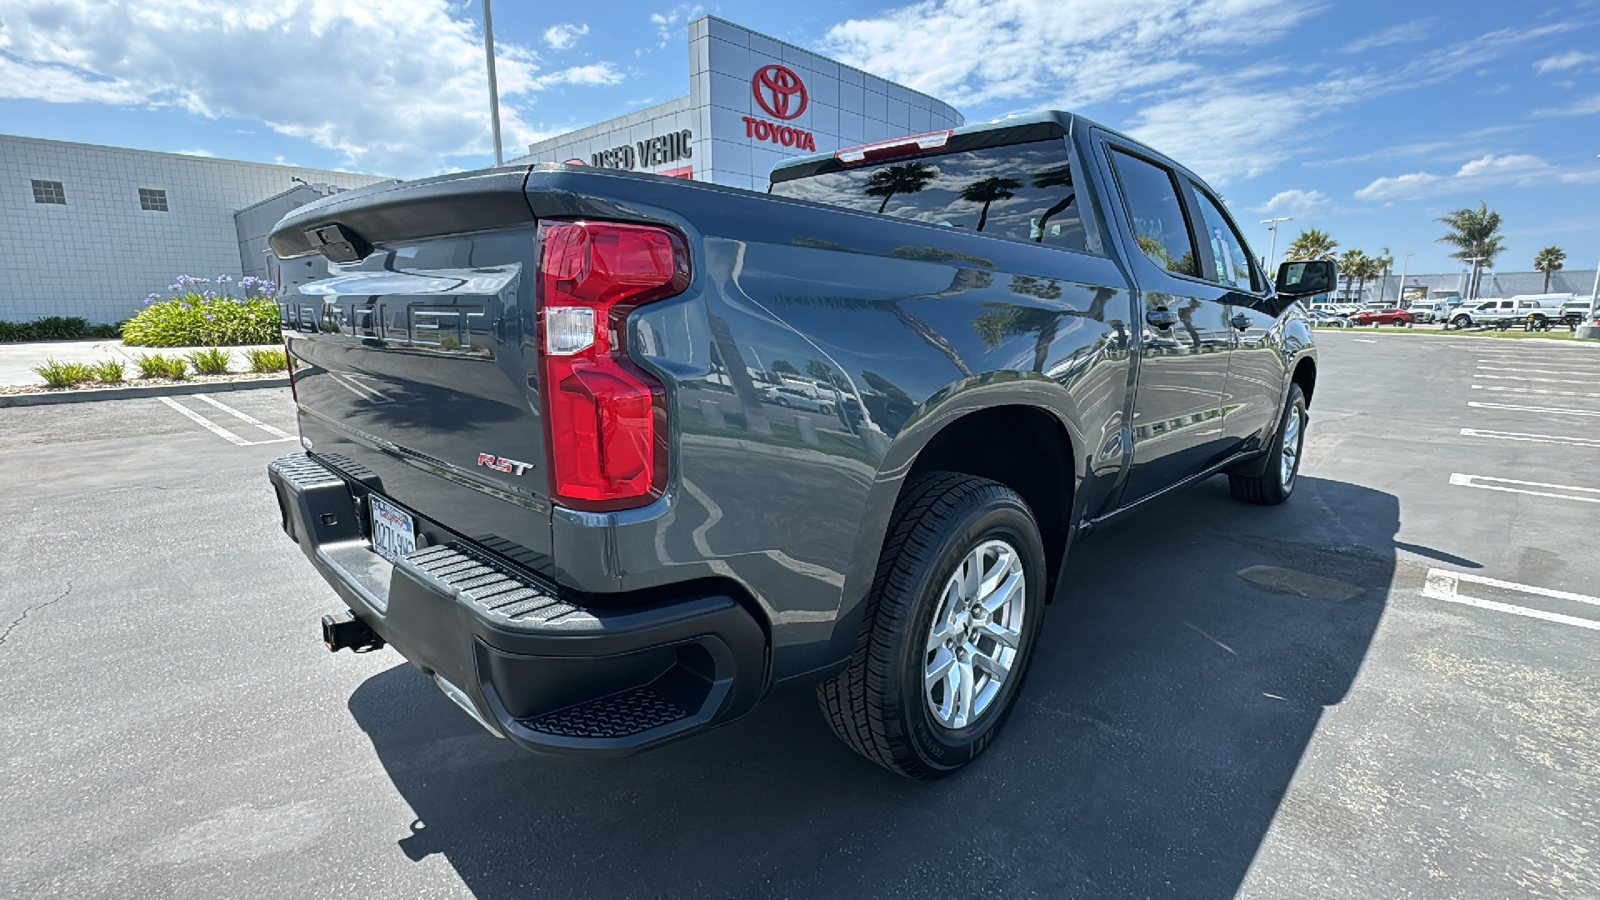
[(1023, 192)]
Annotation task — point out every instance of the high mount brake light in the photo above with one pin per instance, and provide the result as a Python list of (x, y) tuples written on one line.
[(905, 146), (605, 419)]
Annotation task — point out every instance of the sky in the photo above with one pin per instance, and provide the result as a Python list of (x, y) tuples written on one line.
[(1365, 119)]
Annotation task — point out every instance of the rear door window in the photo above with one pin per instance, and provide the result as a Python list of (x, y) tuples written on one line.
[(1023, 192), (1159, 226)]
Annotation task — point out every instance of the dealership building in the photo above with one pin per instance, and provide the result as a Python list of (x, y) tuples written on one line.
[(90, 231), (753, 101)]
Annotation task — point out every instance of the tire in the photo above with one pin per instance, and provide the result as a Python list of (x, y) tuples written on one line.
[(826, 410), (1460, 322), (882, 704), (1276, 482)]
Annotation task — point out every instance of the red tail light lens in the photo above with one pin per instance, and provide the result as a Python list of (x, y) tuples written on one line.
[(605, 418)]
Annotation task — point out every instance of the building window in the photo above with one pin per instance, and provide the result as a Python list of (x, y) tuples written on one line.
[(153, 199), (49, 192)]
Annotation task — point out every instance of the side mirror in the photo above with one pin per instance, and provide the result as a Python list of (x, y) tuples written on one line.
[(1302, 278)]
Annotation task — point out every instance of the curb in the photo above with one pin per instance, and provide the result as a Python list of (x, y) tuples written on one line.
[(131, 393)]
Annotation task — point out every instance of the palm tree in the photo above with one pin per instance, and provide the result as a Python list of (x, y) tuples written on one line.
[(1313, 243), (1549, 262), (987, 191), (908, 178), (1381, 264), (1367, 267), (1475, 233), (1352, 263), (1055, 176)]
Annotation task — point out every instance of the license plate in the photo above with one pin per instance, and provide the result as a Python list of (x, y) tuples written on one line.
[(394, 532)]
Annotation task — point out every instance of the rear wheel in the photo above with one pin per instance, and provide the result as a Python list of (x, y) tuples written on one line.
[(950, 625), (1276, 482)]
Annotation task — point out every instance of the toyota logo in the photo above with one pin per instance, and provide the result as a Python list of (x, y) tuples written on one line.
[(779, 91)]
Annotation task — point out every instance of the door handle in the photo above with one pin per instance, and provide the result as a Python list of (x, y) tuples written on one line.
[(1161, 317), (1240, 321)]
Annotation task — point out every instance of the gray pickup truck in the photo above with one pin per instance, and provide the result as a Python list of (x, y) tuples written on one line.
[(555, 452)]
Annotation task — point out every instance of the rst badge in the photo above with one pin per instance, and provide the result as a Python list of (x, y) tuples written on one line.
[(501, 464)]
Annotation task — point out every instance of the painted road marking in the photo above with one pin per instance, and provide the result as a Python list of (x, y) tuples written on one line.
[(1558, 410), (1471, 481), (1446, 585), (1539, 380), (1363, 341), (245, 417), (1523, 390), (1522, 362), (218, 430), (1531, 438)]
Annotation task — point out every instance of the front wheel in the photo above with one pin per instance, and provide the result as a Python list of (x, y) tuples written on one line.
[(1460, 322), (1276, 482), (949, 630)]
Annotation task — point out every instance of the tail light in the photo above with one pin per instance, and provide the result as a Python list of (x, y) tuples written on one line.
[(605, 418)]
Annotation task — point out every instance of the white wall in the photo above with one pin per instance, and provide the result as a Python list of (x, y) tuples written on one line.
[(845, 107), (100, 255)]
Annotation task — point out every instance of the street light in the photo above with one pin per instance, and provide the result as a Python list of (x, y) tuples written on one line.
[(494, 91), (1272, 226), (1400, 296)]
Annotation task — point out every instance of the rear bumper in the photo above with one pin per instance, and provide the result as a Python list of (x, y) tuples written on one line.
[(531, 666)]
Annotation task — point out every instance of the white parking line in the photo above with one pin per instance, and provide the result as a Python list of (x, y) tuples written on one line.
[(1522, 390), (1595, 380), (1457, 478), (1557, 410), (1363, 341), (1531, 438), (1445, 585), (243, 417), (218, 430)]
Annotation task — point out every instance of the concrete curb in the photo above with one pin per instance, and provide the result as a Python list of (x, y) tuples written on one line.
[(130, 393)]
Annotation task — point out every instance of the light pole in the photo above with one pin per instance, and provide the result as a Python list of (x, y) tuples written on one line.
[(1400, 295), (494, 91), (1272, 226)]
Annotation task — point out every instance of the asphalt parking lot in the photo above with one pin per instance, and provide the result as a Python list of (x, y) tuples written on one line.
[(1424, 725)]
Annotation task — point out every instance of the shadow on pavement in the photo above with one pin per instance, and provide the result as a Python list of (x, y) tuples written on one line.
[(1163, 719)]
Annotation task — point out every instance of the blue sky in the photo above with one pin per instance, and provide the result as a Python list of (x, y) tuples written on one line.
[(1365, 119)]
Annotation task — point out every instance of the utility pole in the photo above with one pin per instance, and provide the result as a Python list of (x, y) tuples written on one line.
[(494, 91), (1272, 226)]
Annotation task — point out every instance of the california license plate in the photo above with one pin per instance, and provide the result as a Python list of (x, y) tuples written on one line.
[(394, 531)]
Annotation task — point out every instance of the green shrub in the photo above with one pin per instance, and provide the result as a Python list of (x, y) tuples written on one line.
[(155, 365), (54, 328), (209, 361), (266, 360), (60, 374), (108, 372), (196, 321)]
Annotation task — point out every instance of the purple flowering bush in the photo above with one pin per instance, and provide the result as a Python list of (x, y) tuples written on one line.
[(205, 312)]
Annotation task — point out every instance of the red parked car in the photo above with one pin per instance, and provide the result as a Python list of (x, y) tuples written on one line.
[(1390, 316)]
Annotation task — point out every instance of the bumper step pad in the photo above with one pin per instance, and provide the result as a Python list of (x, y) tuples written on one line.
[(617, 716), (494, 588)]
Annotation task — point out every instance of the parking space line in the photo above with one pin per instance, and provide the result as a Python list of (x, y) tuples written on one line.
[(1442, 584), (205, 423), (1525, 378), (1531, 438), (1522, 390), (1472, 481), (243, 417), (1557, 410)]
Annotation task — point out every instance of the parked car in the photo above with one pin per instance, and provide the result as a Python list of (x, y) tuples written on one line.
[(1388, 316), (593, 546), (1428, 311), (1323, 318), (797, 399), (1524, 311)]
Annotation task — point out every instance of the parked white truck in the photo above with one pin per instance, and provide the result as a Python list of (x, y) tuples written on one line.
[(1536, 311)]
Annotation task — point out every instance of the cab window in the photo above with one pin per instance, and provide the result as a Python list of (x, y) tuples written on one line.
[(1160, 229), (1228, 253)]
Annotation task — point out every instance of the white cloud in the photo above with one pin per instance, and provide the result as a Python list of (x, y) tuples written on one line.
[(998, 51), (560, 37), (1405, 33), (1224, 136), (196, 151), (1294, 202), (1583, 106), (398, 88), (1562, 61), (1488, 170), (666, 23)]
